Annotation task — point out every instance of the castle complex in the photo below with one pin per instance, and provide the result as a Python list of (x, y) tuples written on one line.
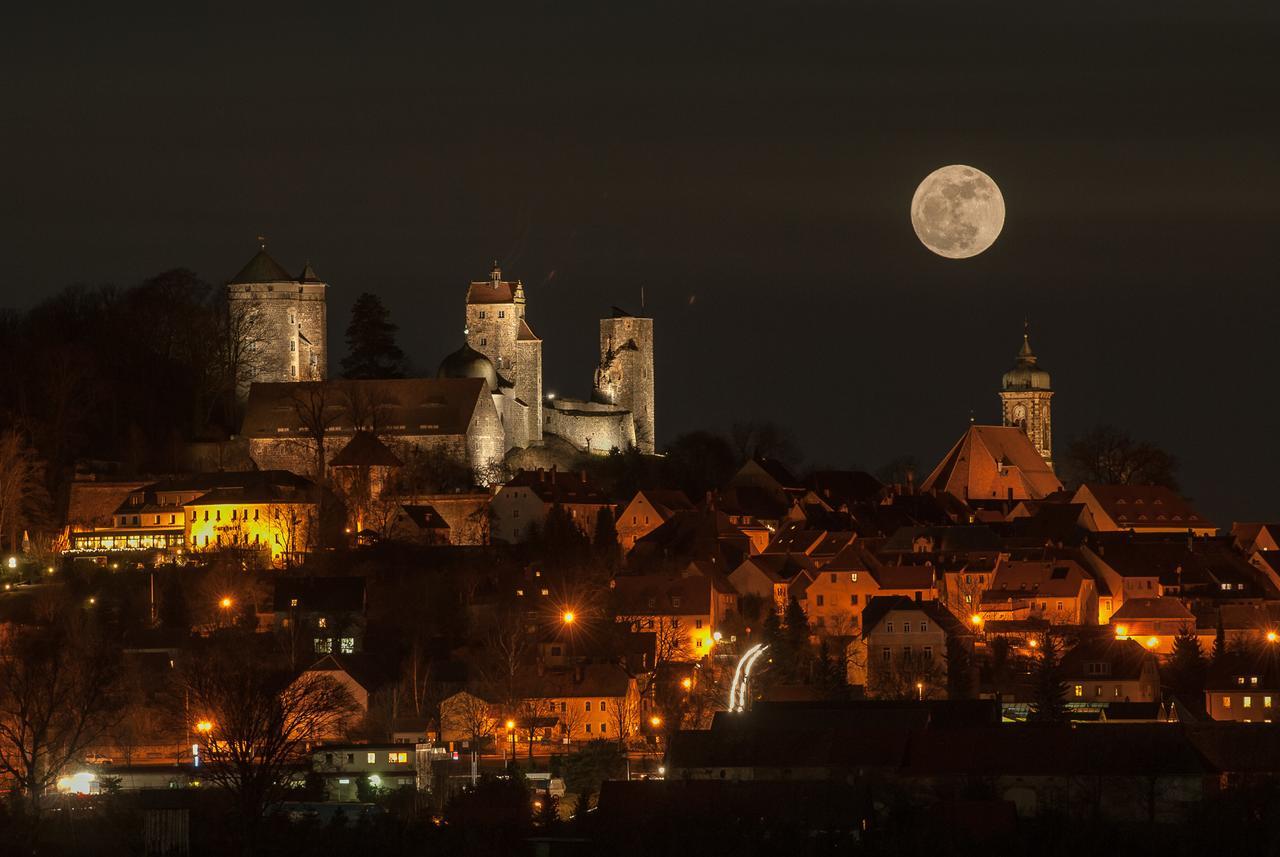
[(281, 319)]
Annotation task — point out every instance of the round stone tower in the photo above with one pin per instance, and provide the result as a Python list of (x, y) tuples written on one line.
[(625, 375)]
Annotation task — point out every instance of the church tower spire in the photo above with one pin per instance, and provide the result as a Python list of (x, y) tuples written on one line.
[(1025, 397)]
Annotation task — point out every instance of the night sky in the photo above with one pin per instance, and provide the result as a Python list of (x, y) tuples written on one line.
[(749, 165)]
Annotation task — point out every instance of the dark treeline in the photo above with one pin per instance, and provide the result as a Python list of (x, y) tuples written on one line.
[(122, 375)]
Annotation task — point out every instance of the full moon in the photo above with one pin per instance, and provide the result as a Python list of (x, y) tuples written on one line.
[(957, 211)]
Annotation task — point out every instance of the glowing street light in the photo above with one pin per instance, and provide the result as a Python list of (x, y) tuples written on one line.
[(1122, 632), (687, 683), (655, 721), (569, 617), (1272, 636), (1152, 642), (920, 690), (12, 562), (976, 620), (226, 603), (204, 727)]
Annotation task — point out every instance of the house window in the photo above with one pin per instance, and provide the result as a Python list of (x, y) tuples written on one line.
[(833, 578), (602, 702), (323, 645), (853, 600), (1248, 702), (1253, 680), (1097, 691), (588, 728), (502, 314), (370, 758), (820, 603), (906, 627), (347, 645), (652, 603), (484, 341), (887, 656), (1266, 702), (888, 627), (1226, 702), (588, 705), (322, 622), (1059, 605), (928, 653), (397, 758), (1239, 679), (1117, 693), (604, 727), (1079, 690), (293, 602), (482, 313), (675, 601), (906, 651), (698, 643), (924, 626)]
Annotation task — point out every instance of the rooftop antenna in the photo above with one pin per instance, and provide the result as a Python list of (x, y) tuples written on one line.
[(262, 241), (971, 416)]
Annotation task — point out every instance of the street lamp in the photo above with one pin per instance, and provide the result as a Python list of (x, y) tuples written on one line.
[(655, 721), (687, 683), (225, 603), (920, 690), (568, 617), (511, 729), (1272, 636)]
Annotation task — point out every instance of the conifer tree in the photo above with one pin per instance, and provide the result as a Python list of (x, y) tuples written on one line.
[(1187, 667), (1049, 692), (371, 342)]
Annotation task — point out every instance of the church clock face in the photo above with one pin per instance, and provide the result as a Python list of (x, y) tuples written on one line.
[(1019, 412)]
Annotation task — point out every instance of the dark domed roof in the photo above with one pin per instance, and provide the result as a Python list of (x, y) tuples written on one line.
[(263, 269), (466, 362), (1025, 374)]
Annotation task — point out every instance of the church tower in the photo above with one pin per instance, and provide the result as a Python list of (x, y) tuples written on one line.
[(279, 322), (1025, 395), (625, 375)]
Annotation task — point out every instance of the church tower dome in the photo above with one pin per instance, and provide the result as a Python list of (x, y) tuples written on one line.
[(1025, 399)]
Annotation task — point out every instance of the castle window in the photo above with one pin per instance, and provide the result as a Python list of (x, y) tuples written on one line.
[(293, 345), (482, 313), (501, 314), (484, 341)]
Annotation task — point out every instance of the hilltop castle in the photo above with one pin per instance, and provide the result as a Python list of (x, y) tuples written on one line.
[(281, 322)]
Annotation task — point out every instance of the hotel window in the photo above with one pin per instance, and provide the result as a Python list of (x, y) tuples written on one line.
[(1248, 702), (1079, 690), (371, 757)]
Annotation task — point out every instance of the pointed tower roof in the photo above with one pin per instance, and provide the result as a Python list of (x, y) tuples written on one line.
[(262, 269), (993, 463), (309, 274), (1026, 374)]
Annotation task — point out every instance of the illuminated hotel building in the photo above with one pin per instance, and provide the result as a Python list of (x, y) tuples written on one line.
[(274, 512)]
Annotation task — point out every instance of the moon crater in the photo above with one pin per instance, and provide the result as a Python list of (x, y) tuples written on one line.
[(957, 211)]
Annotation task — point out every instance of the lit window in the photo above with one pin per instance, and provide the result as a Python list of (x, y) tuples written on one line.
[(347, 645), (1266, 702), (1079, 690), (322, 622), (293, 602), (1226, 702), (1248, 702), (853, 576), (1239, 679), (323, 645), (371, 758), (397, 758)]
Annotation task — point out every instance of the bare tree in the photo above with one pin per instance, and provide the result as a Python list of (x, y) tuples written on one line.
[(318, 409), (509, 642), (1110, 455), (55, 701), (243, 339), (467, 714), (908, 676), (261, 723)]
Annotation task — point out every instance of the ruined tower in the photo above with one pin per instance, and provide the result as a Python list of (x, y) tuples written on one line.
[(625, 375), (279, 323), (1025, 396)]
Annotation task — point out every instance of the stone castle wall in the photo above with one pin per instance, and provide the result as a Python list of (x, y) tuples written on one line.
[(590, 426), (625, 376), (491, 330), (528, 382), (284, 327)]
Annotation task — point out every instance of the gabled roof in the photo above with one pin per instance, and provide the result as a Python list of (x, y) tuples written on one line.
[(559, 486), (1127, 659), (1054, 578), (845, 487), (93, 503), (524, 333), (779, 567), (661, 595), (956, 539), (996, 463), (1138, 609), (263, 269), (494, 290), (413, 406), (365, 450), (880, 606), (665, 502), (368, 671), (695, 534), (425, 517), (1143, 506)]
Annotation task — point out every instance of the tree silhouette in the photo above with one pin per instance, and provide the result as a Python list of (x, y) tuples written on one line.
[(1049, 691), (371, 342)]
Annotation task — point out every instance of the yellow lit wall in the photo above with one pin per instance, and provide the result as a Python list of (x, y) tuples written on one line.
[(279, 528)]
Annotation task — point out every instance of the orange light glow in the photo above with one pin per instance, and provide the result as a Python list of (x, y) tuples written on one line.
[(687, 683), (569, 617), (1272, 636), (225, 603), (1035, 643), (975, 619), (204, 727), (655, 722), (511, 724), (1152, 642), (1122, 631)]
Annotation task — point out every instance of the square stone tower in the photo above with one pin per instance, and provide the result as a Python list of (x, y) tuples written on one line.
[(625, 375), (495, 308), (279, 322)]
